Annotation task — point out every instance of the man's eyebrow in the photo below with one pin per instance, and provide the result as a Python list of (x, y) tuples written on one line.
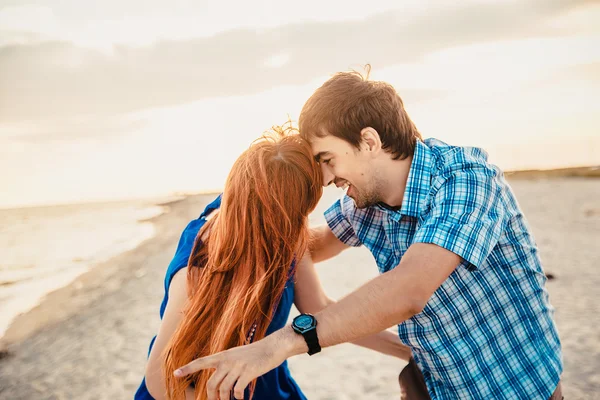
[(321, 154)]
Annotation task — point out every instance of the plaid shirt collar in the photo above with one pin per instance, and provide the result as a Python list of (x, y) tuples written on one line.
[(418, 184)]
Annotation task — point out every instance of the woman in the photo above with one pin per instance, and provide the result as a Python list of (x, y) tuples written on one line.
[(234, 278)]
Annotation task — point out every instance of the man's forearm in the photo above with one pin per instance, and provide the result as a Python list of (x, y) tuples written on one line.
[(385, 342), (383, 302)]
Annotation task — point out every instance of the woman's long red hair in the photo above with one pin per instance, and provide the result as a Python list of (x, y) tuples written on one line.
[(237, 274)]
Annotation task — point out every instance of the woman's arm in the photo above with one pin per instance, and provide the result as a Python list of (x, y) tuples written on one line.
[(155, 381), (311, 298)]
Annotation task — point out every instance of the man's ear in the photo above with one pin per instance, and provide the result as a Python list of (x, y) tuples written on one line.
[(370, 140)]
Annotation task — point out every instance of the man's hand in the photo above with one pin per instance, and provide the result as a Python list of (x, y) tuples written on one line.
[(237, 367)]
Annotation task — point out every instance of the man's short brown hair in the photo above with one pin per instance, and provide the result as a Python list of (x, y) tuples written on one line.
[(349, 102)]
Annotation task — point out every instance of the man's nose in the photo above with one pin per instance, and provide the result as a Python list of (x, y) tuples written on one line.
[(328, 176)]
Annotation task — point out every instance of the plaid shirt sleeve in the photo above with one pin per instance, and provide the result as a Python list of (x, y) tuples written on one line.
[(339, 223), (466, 215)]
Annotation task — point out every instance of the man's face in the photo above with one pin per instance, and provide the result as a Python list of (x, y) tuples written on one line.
[(346, 166)]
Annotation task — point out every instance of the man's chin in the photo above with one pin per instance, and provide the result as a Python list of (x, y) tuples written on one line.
[(361, 203), (358, 203)]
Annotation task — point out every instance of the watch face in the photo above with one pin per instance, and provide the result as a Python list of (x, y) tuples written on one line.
[(303, 322)]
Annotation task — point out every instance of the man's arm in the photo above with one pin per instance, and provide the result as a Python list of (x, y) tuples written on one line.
[(323, 244), (384, 301), (309, 297)]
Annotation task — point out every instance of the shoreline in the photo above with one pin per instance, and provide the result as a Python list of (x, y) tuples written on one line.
[(571, 172), (100, 279)]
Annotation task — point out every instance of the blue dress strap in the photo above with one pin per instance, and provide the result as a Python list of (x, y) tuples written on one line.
[(214, 205)]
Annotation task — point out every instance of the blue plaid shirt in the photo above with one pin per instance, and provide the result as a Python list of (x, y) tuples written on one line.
[(488, 331)]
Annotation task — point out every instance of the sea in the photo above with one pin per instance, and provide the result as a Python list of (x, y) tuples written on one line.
[(46, 248)]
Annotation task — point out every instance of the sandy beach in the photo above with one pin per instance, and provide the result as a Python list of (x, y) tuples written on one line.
[(89, 340)]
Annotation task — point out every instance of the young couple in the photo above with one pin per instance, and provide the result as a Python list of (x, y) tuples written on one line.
[(460, 271)]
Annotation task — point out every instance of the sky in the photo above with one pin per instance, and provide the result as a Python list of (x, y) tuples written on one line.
[(130, 98)]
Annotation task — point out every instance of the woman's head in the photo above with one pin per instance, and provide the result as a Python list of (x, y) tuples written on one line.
[(271, 189), (237, 274)]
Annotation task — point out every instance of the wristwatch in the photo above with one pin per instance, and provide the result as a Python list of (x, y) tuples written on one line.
[(306, 325)]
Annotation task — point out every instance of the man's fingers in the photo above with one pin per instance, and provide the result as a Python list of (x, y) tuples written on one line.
[(240, 386), (213, 384), (227, 385), (196, 365)]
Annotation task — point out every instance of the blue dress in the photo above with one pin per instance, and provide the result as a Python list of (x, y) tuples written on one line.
[(275, 384)]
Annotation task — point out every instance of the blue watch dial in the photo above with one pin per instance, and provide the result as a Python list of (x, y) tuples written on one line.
[(303, 322)]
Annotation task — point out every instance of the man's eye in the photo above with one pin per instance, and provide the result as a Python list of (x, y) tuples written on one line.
[(326, 162)]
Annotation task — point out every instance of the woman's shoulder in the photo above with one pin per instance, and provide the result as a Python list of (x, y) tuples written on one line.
[(178, 287)]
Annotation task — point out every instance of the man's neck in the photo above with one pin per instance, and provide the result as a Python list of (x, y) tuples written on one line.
[(396, 175)]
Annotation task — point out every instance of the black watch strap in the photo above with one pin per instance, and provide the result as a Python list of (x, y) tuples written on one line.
[(312, 341)]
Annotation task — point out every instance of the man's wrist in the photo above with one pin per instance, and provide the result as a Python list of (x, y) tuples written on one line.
[(291, 343)]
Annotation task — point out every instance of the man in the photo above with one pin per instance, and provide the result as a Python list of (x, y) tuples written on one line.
[(461, 275)]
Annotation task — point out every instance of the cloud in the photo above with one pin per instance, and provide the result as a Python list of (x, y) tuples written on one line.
[(58, 79), (589, 72), (70, 129)]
